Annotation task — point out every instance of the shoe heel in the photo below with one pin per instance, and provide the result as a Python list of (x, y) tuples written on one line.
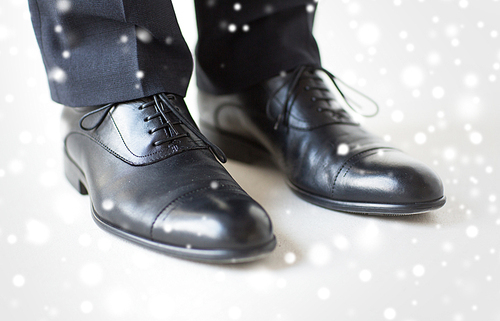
[(234, 147), (74, 175)]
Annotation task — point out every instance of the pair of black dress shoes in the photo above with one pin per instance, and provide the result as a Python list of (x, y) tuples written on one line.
[(155, 179)]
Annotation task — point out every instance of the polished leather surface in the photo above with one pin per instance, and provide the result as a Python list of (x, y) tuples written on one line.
[(176, 193), (305, 145)]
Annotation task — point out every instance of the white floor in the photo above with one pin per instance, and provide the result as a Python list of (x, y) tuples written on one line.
[(434, 66)]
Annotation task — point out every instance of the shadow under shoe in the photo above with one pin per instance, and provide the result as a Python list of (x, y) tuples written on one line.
[(153, 179)]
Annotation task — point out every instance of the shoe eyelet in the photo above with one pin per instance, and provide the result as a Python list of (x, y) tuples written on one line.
[(313, 98)]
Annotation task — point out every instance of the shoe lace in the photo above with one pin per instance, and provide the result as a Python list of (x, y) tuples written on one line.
[(164, 106), (305, 71)]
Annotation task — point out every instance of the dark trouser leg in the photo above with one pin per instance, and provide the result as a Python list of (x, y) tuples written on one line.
[(97, 52), (239, 48)]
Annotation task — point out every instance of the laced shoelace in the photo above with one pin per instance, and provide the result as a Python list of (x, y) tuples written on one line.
[(299, 73), (163, 106)]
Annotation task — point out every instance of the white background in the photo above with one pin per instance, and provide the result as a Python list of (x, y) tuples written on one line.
[(434, 67)]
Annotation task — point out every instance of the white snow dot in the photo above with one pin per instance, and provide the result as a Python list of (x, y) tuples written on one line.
[(449, 154), (323, 293), (66, 54), (492, 198), (397, 116), (245, 28), (447, 247), (18, 280), (214, 185), (410, 47), (420, 138), (341, 242), (168, 228), (108, 205), (118, 302), (104, 244), (58, 28), (237, 6), (281, 283), (84, 240), (438, 92), (319, 254), (342, 149), (472, 231), (9, 98), (232, 27), (37, 232), (139, 74), (434, 58), (161, 307), (234, 313), (25, 137), (475, 138), (368, 34), (12, 239), (63, 5), (390, 313), (403, 34), (290, 258), (451, 31), (144, 35), (418, 270), (310, 8), (123, 38), (86, 307), (412, 76), (91, 274), (463, 4), (57, 74), (471, 80), (365, 275)]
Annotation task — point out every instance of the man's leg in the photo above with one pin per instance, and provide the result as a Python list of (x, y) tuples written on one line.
[(245, 42), (261, 95), (152, 177), (98, 52)]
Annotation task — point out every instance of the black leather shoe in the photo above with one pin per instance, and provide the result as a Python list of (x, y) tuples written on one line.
[(153, 179), (328, 159)]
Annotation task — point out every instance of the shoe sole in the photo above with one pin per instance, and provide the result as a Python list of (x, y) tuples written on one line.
[(240, 149), (76, 177)]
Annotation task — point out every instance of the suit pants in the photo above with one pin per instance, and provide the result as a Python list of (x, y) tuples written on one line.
[(97, 52)]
